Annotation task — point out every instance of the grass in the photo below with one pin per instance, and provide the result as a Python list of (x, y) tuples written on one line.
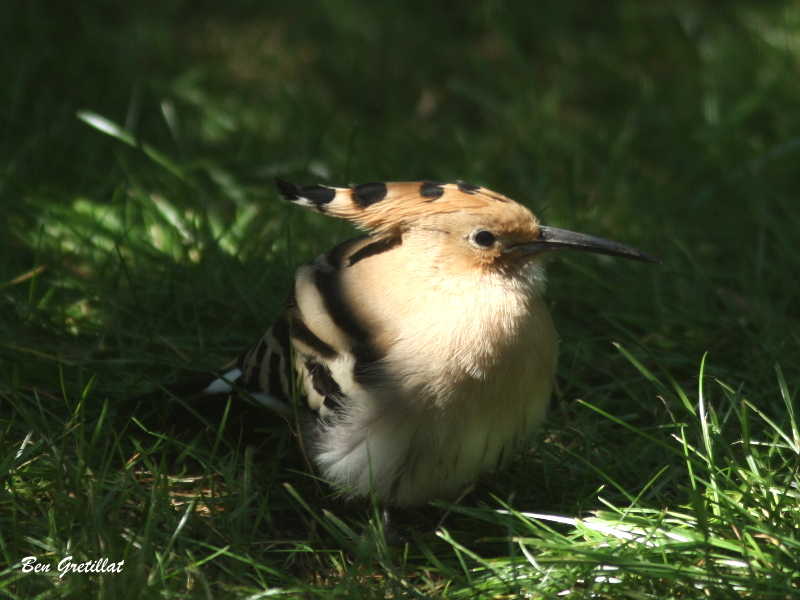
[(142, 239)]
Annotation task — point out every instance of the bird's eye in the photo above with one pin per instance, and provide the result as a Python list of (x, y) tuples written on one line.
[(484, 238)]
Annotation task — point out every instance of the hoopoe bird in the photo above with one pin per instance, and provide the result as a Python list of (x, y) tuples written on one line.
[(422, 354)]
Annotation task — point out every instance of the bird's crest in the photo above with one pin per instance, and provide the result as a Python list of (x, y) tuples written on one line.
[(388, 206)]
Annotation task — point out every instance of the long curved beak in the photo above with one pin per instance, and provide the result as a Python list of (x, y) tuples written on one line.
[(551, 238)]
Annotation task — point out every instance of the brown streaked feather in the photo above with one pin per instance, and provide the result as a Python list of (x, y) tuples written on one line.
[(381, 207)]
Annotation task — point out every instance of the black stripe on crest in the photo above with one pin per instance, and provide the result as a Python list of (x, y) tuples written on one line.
[(317, 194), (431, 189), (365, 194), (467, 188), (286, 189)]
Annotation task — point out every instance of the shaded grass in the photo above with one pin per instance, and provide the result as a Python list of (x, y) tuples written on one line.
[(157, 246)]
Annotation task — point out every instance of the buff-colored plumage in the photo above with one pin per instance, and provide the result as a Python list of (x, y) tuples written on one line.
[(403, 205), (424, 351)]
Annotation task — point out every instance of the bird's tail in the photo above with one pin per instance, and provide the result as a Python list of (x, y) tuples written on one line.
[(197, 402), (206, 399), (186, 388)]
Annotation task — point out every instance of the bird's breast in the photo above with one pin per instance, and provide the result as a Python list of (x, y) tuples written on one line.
[(458, 338), (464, 373)]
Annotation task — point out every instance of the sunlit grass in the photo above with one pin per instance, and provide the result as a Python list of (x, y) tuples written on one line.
[(143, 240), (733, 532)]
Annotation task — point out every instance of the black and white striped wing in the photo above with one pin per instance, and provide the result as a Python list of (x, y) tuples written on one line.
[(318, 348)]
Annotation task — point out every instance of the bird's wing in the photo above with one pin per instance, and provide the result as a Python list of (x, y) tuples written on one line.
[(321, 349), (317, 351)]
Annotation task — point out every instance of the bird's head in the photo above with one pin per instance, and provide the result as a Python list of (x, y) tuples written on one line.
[(473, 226)]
